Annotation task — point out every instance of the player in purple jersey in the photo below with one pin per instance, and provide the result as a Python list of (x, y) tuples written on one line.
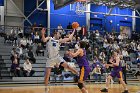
[(117, 72), (83, 64)]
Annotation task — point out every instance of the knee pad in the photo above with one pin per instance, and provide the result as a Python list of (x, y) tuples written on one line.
[(80, 85)]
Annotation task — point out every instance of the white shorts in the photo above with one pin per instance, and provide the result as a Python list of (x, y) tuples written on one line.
[(53, 61)]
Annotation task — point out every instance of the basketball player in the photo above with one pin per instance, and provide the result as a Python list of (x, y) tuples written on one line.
[(117, 72), (83, 64), (53, 44)]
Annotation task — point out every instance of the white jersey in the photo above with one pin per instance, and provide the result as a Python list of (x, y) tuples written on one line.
[(53, 48)]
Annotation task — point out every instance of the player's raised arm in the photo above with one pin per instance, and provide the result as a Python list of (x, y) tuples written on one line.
[(44, 39), (76, 53), (116, 63), (67, 39)]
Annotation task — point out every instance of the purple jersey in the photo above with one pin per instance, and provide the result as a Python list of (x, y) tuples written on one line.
[(117, 68), (117, 71), (84, 66), (82, 60)]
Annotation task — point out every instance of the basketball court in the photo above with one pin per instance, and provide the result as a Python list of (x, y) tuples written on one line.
[(117, 16), (66, 88)]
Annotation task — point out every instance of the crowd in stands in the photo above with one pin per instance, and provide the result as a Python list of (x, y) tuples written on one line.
[(23, 49), (99, 47)]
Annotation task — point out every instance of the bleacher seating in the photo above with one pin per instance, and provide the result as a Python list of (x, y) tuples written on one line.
[(39, 67)]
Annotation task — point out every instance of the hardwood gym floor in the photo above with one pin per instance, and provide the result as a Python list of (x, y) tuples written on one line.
[(66, 88)]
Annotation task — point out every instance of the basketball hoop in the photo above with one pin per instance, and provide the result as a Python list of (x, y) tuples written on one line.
[(80, 8)]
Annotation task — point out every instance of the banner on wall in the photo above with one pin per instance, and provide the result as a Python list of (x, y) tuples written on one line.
[(125, 31)]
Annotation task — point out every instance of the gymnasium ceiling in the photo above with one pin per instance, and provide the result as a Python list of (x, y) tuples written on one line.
[(133, 4)]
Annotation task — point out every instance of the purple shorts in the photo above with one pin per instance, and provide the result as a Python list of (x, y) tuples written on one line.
[(84, 72), (117, 74)]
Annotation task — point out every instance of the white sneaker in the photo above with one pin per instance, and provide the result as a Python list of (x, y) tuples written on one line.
[(46, 90), (112, 81)]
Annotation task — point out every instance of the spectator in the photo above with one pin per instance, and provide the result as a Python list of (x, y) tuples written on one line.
[(97, 73), (27, 68), (92, 36), (13, 36), (111, 38), (69, 26), (12, 30), (39, 49), (97, 60), (85, 39), (58, 69), (120, 37), (105, 43), (39, 29), (32, 36), (31, 56), (125, 54), (138, 53), (97, 34), (115, 45), (138, 47), (14, 55), (6, 38), (138, 62), (123, 64), (102, 56), (93, 65), (125, 36), (30, 41), (36, 38), (15, 69), (96, 52), (60, 29), (34, 29), (133, 45), (103, 68), (19, 50), (13, 52), (27, 32), (20, 32), (23, 43), (76, 46), (89, 53)]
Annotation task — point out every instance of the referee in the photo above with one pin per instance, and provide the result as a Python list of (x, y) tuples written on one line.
[(123, 64)]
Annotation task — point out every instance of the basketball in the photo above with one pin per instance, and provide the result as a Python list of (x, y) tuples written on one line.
[(75, 25)]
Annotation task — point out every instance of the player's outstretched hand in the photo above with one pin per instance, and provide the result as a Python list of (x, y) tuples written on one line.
[(111, 60)]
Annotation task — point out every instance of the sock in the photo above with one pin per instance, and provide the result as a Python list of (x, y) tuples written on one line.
[(126, 89), (86, 91), (106, 87)]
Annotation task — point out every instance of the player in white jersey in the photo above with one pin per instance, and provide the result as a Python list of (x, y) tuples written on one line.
[(54, 58)]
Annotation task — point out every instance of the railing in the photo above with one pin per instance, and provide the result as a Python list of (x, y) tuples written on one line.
[(27, 29), (6, 29)]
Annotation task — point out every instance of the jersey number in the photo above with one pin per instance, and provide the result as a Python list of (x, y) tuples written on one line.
[(54, 44)]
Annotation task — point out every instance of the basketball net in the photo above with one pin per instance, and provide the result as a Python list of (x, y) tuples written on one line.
[(80, 8)]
